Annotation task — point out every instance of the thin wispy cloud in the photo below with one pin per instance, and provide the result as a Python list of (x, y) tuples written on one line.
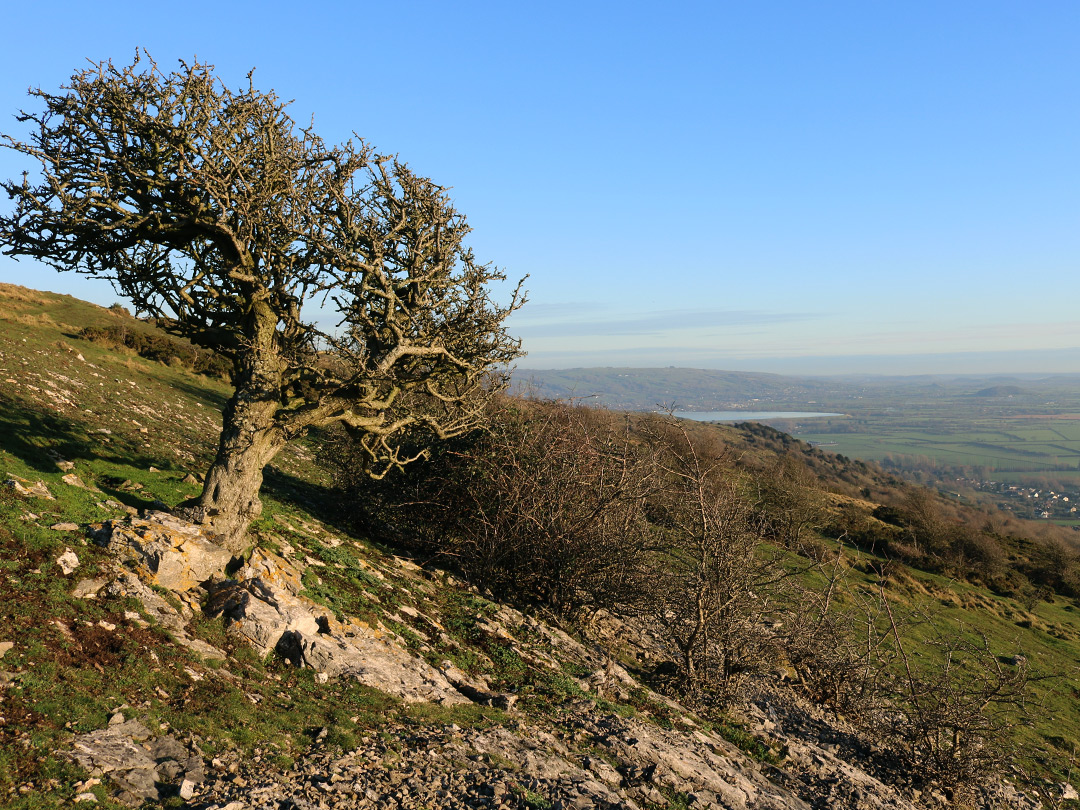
[(556, 310), (655, 323)]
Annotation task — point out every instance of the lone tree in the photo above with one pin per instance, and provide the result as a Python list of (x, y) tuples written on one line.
[(213, 212)]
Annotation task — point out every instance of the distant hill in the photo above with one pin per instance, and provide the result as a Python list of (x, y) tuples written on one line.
[(696, 389), (685, 389), (1001, 391)]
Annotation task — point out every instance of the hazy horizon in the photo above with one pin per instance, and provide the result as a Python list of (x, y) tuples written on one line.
[(1015, 363)]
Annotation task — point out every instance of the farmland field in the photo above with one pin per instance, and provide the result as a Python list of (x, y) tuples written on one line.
[(1009, 444)]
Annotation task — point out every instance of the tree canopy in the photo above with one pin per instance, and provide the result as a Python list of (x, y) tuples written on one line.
[(212, 211)]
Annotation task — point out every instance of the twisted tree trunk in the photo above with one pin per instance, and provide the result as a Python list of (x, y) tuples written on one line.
[(251, 436), (230, 497)]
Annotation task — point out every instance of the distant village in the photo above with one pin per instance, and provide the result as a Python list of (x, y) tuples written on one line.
[(1029, 502)]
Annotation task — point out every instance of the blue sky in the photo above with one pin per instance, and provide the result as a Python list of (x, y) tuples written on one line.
[(781, 186)]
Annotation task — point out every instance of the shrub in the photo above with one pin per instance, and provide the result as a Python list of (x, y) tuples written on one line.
[(546, 504), (160, 348), (722, 595), (955, 715)]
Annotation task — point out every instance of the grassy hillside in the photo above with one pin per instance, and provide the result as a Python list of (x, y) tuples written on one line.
[(105, 432)]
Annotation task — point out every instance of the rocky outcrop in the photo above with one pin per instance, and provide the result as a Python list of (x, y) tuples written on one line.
[(523, 765), (173, 618), (68, 561), (29, 489), (139, 767), (163, 550), (264, 604), (591, 757)]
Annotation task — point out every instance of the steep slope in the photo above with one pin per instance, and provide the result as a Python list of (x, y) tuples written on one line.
[(326, 670)]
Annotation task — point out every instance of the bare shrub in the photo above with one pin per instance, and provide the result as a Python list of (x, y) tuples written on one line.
[(955, 699), (836, 642), (722, 594), (547, 504), (791, 504), (935, 693), (160, 348)]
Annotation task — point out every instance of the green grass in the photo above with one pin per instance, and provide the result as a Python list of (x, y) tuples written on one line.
[(466, 715), (1048, 636), (673, 800), (531, 799), (70, 673), (959, 436)]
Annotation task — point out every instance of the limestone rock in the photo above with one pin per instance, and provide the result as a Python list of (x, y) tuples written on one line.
[(157, 608), (35, 490), (163, 613), (539, 754), (264, 606), (257, 613), (693, 763), (593, 759), (68, 561), (372, 661), (164, 551), (88, 588), (476, 688), (140, 769)]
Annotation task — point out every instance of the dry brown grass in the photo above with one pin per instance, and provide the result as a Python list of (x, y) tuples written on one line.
[(15, 293), (836, 501), (27, 319)]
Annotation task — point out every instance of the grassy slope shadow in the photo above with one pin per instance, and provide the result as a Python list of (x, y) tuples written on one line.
[(39, 439)]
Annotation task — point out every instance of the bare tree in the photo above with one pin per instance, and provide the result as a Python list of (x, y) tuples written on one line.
[(838, 642), (720, 588), (792, 505), (210, 210)]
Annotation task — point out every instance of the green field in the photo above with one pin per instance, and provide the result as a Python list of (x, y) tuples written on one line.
[(999, 445), (1001, 439), (1016, 428)]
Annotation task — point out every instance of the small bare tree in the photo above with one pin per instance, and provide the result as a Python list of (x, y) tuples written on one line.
[(210, 210), (793, 507), (837, 642), (720, 587)]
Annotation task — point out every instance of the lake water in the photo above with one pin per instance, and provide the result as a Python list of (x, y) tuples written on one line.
[(748, 416)]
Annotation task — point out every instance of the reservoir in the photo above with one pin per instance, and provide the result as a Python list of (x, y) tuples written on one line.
[(748, 416)]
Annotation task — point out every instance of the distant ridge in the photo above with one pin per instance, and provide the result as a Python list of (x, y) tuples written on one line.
[(696, 389), (684, 389), (1002, 391)]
